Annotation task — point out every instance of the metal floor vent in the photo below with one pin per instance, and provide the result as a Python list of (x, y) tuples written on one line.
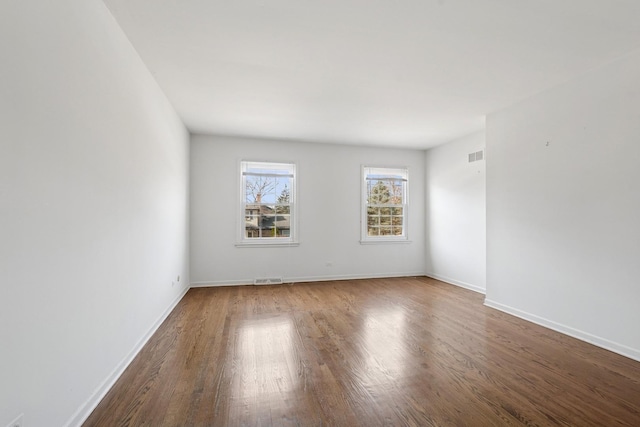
[(268, 281)]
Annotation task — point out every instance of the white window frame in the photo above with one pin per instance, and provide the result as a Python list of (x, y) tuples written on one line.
[(275, 169), (403, 173)]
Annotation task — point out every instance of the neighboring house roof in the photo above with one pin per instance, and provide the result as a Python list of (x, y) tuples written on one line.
[(269, 218)]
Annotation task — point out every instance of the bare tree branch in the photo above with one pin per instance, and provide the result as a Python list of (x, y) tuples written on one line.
[(259, 186)]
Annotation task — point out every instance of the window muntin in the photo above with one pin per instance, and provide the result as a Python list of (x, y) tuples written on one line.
[(268, 205), (384, 212)]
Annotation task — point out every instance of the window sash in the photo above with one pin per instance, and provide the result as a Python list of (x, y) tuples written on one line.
[(384, 219), (266, 218)]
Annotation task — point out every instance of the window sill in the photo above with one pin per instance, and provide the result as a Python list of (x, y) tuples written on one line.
[(267, 244), (384, 242)]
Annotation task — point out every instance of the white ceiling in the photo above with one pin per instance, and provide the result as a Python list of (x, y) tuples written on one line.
[(405, 73)]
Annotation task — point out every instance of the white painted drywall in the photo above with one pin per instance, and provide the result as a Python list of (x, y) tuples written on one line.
[(455, 214), (93, 202), (563, 207), (329, 178)]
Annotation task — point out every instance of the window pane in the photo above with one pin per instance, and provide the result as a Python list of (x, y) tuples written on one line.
[(259, 189), (268, 232), (385, 231), (378, 194), (269, 192), (268, 222), (283, 209), (283, 190), (282, 225), (397, 192), (251, 227)]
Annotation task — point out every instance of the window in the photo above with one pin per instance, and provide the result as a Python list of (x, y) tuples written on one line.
[(268, 203), (384, 204)]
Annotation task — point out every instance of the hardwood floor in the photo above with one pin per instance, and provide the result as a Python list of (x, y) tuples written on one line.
[(378, 352)]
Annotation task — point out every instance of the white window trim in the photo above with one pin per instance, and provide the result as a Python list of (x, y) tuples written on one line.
[(265, 242), (365, 239)]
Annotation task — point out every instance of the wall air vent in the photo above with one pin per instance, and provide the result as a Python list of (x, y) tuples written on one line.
[(268, 281), (474, 157)]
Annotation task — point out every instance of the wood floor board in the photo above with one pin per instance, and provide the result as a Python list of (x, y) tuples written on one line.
[(376, 352)]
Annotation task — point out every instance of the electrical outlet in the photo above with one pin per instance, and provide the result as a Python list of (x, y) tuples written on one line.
[(18, 422), (178, 278)]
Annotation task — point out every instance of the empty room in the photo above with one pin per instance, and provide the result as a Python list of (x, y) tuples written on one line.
[(329, 213)]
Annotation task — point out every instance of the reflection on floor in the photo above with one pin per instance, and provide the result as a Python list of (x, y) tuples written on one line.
[(404, 351)]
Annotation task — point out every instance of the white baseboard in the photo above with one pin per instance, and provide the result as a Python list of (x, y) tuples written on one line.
[(351, 277), (85, 410), (459, 283), (217, 283), (235, 282), (621, 349)]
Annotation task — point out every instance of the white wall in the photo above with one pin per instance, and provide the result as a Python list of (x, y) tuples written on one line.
[(455, 216), (94, 207), (329, 213), (563, 207)]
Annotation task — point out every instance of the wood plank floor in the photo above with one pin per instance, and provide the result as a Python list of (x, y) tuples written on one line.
[(379, 352)]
